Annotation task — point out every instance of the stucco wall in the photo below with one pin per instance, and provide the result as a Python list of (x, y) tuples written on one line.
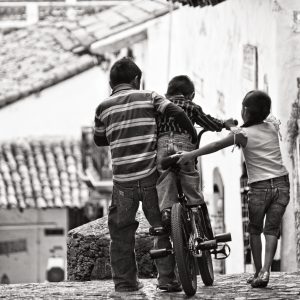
[(29, 263), (207, 44), (58, 111)]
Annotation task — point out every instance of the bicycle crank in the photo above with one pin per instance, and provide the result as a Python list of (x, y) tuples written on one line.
[(221, 253)]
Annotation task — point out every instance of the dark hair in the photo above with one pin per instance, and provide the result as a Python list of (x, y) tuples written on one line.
[(258, 104), (124, 70), (181, 84)]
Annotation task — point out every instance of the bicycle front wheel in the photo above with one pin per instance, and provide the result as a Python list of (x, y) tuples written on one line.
[(186, 262)]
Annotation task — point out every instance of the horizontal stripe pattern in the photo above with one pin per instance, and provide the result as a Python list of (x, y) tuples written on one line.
[(129, 123), (127, 120), (125, 107), (133, 141), (134, 175)]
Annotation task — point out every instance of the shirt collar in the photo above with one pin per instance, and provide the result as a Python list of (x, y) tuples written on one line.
[(122, 87), (177, 97)]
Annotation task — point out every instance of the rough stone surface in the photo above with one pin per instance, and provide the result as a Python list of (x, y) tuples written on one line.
[(282, 286), (88, 251)]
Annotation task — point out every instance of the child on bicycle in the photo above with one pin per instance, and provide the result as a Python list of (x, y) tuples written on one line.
[(267, 177), (172, 138)]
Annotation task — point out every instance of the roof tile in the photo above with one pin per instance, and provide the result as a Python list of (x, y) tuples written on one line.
[(41, 174), (38, 56)]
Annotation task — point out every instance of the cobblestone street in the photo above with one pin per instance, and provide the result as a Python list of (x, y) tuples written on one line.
[(281, 286)]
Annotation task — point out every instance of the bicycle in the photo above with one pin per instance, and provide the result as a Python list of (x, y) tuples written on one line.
[(192, 237)]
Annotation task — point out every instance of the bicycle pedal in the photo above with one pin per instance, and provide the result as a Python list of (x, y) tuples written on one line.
[(221, 253), (158, 253), (156, 231)]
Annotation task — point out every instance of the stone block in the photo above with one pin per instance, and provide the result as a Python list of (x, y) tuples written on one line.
[(88, 251)]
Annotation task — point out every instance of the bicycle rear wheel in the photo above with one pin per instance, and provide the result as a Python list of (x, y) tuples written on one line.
[(205, 261), (186, 262)]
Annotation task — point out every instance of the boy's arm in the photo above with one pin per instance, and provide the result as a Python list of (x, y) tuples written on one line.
[(238, 139), (208, 122), (168, 108), (99, 130)]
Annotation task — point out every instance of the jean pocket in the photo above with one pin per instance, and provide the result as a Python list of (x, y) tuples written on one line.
[(257, 196), (283, 196)]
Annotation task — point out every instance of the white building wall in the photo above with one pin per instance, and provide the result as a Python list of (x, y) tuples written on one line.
[(288, 69), (60, 110), (207, 44), (30, 265)]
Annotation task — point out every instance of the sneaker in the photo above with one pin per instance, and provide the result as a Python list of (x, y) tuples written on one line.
[(170, 287), (166, 218), (261, 280), (123, 289), (251, 278)]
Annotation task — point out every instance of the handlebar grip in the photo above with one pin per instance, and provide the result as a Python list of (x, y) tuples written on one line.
[(235, 122), (223, 237), (169, 161)]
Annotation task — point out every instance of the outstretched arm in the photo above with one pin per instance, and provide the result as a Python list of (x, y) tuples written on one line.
[(208, 122), (230, 140)]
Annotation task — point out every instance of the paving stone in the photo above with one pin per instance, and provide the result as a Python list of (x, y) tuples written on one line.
[(235, 288)]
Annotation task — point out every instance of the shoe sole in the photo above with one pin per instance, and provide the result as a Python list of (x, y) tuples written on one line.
[(170, 289)]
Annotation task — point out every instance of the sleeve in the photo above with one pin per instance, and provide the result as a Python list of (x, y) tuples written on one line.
[(159, 102), (99, 130), (239, 136), (206, 121)]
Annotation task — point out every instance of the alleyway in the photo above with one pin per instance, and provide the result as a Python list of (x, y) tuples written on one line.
[(282, 286)]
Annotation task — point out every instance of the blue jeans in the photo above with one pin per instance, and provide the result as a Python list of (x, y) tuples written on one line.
[(268, 198), (123, 225), (168, 144)]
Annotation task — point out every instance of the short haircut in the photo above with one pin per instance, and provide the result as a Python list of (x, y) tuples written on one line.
[(124, 70), (258, 104), (181, 84)]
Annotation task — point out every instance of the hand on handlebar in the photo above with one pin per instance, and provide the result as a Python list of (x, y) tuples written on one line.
[(230, 123)]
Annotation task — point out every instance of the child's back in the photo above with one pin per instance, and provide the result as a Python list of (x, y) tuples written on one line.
[(262, 152)]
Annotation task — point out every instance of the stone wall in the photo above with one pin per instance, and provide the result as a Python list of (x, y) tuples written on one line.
[(88, 251)]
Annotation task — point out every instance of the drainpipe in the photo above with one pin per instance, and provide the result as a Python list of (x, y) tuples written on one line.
[(171, 8)]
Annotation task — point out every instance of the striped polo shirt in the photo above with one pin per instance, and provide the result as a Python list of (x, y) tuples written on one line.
[(126, 122)]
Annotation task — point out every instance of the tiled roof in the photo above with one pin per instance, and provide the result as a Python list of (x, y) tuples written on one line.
[(200, 3), (41, 55), (41, 174)]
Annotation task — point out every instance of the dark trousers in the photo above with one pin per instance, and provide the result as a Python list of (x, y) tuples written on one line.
[(123, 225)]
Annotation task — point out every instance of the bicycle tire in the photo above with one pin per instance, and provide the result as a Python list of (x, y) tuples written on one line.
[(186, 263), (205, 264)]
